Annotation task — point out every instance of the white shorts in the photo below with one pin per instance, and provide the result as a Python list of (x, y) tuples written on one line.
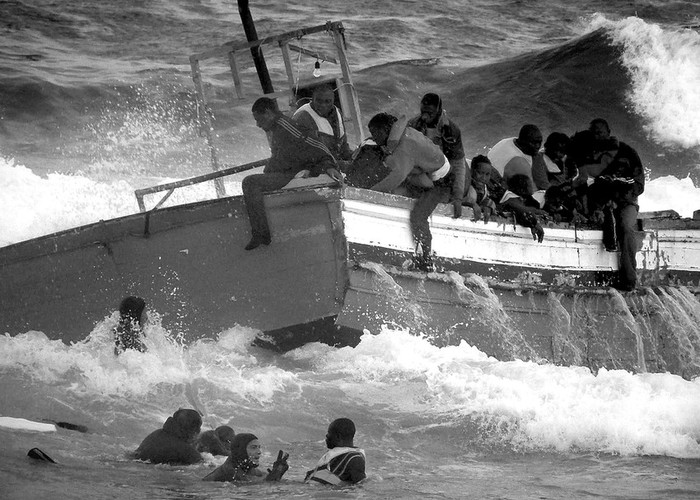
[(442, 171)]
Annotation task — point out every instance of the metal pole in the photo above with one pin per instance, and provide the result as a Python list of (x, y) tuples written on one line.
[(256, 52)]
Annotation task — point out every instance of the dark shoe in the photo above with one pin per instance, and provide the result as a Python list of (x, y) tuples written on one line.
[(423, 263), (623, 286), (256, 241), (612, 248)]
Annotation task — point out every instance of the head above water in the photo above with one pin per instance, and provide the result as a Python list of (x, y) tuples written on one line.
[(529, 139), (225, 434), (430, 108), (380, 127), (341, 432), (265, 112), (323, 100), (132, 309), (245, 447), (186, 423)]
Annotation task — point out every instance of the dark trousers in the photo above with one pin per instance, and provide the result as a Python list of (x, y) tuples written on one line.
[(624, 221), (254, 186), (421, 211)]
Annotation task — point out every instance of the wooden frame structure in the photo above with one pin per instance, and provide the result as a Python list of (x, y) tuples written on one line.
[(234, 52)]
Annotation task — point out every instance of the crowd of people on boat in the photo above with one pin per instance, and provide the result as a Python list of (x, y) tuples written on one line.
[(588, 178)]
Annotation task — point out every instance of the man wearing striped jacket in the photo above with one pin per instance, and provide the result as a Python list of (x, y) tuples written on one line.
[(293, 154)]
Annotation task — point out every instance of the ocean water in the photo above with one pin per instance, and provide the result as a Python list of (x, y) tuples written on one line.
[(96, 100)]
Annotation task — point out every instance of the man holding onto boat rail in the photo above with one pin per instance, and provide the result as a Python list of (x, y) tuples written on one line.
[(293, 154), (417, 168)]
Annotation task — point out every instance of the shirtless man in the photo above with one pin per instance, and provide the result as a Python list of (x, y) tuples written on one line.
[(417, 168)]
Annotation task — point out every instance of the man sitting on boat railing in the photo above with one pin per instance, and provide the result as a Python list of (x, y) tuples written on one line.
[(293, 154)]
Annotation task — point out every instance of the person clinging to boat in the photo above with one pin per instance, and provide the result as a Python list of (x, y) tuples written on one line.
[(514, 155), (418, 169), (518, 200), (322, 119), (243, 462), (128, 334), (615, 193), (343, 463), (293, 154)]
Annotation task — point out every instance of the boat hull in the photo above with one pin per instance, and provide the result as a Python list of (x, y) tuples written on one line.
[(188, 262)]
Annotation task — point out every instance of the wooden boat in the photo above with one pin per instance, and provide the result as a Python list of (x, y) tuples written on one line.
[(338, 266)]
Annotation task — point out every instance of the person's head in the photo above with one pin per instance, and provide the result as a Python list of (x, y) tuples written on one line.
[(323, 100), (600, 129), (265, 112), (556, 145), (341, 432), (481, 170), (225, 434), (430, 108), (380, 127), (245, 447), (520, 184), (133, 310), (529, 139), (189, 423)]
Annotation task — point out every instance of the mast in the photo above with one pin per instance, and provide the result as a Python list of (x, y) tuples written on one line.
[(258, 57)]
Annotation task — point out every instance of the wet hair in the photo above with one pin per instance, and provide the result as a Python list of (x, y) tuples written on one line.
[(557, 139), (382, 120), (189, 421), (431, 99), (225, 433), (343, 427), (601, 121), (480, 159), (264, 104), (526, 130), (519, 184), (131, 308)]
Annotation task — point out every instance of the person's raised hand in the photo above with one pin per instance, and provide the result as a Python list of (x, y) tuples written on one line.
[(279, 467)]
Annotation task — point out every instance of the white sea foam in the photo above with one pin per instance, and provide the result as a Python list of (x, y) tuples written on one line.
[(664, 65), (522, 404)]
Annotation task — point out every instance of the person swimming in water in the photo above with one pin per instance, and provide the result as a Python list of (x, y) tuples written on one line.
[(216, 441), (242, 464), (173, 444), (128, 334), (343, 463)]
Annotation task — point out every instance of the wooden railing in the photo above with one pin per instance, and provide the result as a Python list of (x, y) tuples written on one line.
[(170, 187)]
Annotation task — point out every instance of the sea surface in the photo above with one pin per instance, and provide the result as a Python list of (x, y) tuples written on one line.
[(96, 100)]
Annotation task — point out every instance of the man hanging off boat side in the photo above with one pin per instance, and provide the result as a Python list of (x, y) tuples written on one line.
[(417, 168), (293, 154), (615, 191), (322, 119)]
